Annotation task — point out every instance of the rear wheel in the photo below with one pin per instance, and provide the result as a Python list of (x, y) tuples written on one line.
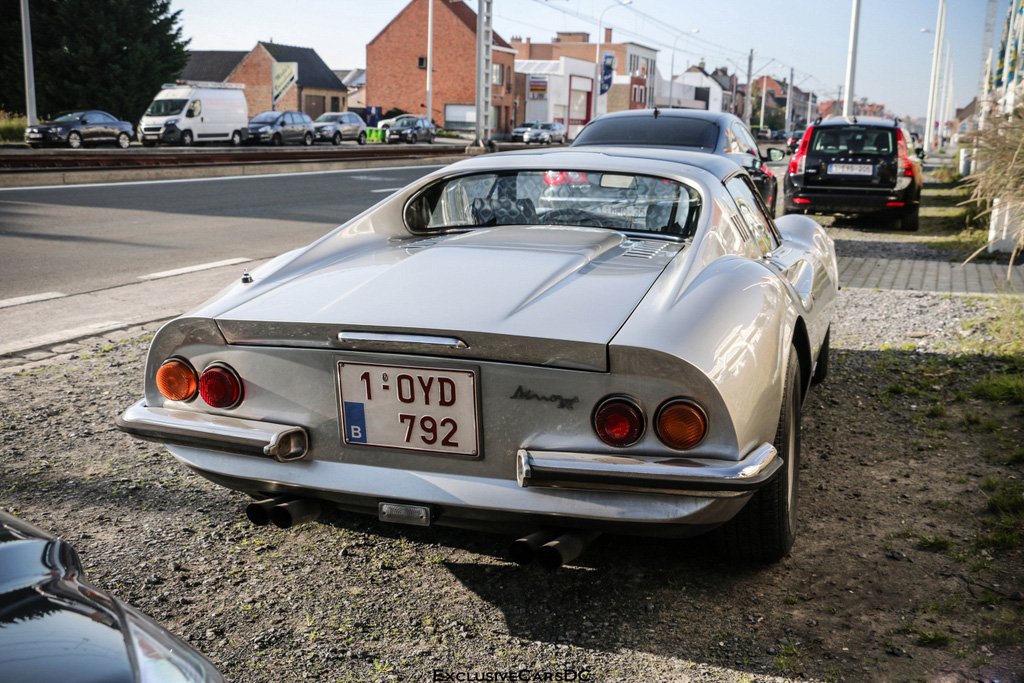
[(764, 530), (123, 140), (911, 220)]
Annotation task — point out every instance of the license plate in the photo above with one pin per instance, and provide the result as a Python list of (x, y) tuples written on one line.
[(849, 169), (409, 408), (35, 136)]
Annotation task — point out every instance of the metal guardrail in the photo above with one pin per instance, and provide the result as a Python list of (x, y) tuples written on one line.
[(27, 161)]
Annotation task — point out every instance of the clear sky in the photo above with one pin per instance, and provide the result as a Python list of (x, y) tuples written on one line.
[(810, 36)]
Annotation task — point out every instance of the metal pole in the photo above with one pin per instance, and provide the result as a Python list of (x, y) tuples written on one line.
[(934, 82), (810, 98), (430, 59), (851, 59), (747, 103), (483, 73), (789, 102), (944, 111), (30, 74), (763, 98)]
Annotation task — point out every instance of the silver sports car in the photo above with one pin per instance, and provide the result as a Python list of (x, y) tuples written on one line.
[(561, 341)]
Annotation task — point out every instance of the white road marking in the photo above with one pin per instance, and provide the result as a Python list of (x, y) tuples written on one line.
[(387, 189), (31, 298), (229, 177), (195, 269), (63, 336)]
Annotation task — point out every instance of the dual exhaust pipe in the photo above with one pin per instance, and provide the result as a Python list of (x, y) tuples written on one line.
[(550, 548), (284, 511)]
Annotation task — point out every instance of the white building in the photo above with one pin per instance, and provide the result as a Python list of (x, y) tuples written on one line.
[(692, 89), (557, 91)]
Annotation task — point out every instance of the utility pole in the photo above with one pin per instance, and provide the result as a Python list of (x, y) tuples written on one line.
[(851, 59), (789, 102), (30, 74), (940, 25), (747, 104), (483, 73), (430, 59)]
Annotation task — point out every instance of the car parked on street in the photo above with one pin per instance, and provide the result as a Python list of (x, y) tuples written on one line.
[(385, 124), (563, 341), (186, 113), (793, 140), (856, 166), (411, 129), (281, 128), (82, 128), (58, 627), (517, 132), (550, 133), (334, 127), (713, 132)]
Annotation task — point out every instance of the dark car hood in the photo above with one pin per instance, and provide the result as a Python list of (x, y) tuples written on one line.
[(51, 624)]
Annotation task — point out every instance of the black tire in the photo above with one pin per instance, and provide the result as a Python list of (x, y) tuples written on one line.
[(123, 141), (412, 139), (430, 140), (911, 220), (821, 369), (75, 140), (276, 141), (362, 137), (336, 140), (236, 139), (307, 139), (764, 530), (186, 138)]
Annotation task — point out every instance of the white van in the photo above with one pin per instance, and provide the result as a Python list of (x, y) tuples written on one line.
[(187, 112)]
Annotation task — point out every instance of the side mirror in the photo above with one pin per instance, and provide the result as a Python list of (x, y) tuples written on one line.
[(776, 154), (920, 152), (85, 122)]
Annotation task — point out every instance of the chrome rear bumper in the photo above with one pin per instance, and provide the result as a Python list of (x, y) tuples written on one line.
[(283, 443), (678, 475)]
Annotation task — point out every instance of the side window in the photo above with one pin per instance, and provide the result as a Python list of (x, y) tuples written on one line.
[(100, 117), (305, 118), (732, 143), (745, 140), (750, 212)]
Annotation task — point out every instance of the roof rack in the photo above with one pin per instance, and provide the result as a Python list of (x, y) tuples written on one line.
[(205, 84)]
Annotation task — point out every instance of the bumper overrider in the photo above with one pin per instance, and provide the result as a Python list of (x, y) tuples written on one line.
[(285, 444)]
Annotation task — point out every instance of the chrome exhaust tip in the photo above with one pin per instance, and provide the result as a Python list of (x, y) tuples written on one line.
[(524, 550), (565, 548)]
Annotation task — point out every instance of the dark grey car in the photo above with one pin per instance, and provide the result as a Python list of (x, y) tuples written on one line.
[(81, 128), (281, 128)]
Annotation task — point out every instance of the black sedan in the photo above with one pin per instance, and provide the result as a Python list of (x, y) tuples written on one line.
[(57, 627), (856, 166), (693, 129), (77, 129)]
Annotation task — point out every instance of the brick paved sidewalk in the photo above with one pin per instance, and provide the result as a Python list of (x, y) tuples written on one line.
[(930, 276)]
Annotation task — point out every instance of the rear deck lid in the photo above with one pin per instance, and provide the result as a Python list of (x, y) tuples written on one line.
[(852, 156)]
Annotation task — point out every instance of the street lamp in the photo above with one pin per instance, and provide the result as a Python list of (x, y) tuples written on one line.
[(940, 108), (940, 32), (672, 70), (597, 60)]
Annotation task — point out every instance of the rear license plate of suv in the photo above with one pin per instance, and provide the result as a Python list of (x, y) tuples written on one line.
[(849, 169), (410, 408)]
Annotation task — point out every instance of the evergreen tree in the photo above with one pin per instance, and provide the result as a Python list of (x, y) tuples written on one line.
[(103, 54)]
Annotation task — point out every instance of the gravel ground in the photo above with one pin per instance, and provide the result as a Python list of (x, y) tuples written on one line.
[(868, 594)]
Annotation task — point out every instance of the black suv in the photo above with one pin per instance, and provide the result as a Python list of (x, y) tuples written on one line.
[(855, 166)]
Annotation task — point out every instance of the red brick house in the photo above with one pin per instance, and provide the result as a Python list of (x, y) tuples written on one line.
[(396, 67), (318, 89)]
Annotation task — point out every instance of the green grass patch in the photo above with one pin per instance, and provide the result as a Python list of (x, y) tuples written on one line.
[(934, 543), (1005, 530), (1001, 388), (12, 128)]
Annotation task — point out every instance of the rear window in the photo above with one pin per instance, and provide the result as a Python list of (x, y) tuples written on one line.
[(266, 117), (648, 130), (852, 139), (619, 201)]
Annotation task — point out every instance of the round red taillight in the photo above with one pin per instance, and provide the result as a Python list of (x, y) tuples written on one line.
[(176, 380), (220, 386), (619, 422), (681, 424)]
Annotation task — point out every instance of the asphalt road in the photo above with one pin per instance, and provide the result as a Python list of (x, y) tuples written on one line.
[(83, 238)]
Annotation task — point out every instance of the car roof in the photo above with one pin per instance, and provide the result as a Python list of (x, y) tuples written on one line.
[(597, 155), (876, 121), (716, 116)]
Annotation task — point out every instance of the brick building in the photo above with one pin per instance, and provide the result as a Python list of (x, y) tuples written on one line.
[(316, 90), (396, 67)]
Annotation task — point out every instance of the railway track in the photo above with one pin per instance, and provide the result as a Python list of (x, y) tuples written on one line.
[(26, 161)]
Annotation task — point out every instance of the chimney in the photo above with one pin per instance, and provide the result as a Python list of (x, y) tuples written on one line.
[(607, 35)]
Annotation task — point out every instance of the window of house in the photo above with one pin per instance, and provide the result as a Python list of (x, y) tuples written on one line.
[(497, 74), (335, 103), (421, 62)]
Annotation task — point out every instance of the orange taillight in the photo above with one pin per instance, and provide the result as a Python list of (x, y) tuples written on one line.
[(176, 380), (681, 424)]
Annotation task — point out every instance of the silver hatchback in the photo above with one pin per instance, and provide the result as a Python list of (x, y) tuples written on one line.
[(335, 126)]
